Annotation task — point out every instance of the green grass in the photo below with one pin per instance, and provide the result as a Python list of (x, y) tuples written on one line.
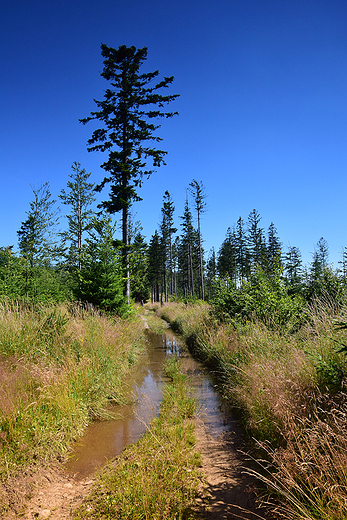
[(158, 477), (59, 368), (289, 390)]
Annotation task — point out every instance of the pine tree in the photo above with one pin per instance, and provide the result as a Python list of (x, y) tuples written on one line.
[(211, 273), (155, 265), (79, 197), (37, 237), (101, 269), (226, 261), (242, 259), (256, 240), (139, 267), (129, 106), (197, 190), (273, 251), (293, 270), (167, 230), (187, 259)]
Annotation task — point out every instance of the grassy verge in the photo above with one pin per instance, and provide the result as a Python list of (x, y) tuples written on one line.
[(158, 477), (290, 393), (60, 367)]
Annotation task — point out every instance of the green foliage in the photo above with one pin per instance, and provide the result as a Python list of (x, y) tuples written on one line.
[(138, 260), (36, 237), (101, 280), (159, 476), (79, 197), (263, 297)]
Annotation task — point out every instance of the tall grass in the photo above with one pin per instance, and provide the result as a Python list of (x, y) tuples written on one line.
[(158, 477), (289, 390), (60, 367)]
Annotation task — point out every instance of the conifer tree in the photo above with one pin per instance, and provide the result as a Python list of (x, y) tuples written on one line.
[(79, 197), (127, 112), (155, 263), (211, 273), (293, 270), (256, 240), (226, 262), (274, 250), (197, 190), (241, 252), (187, 252), (167, 230), (37, 238)]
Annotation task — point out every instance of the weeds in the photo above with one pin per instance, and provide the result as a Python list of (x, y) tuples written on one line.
[(289, 390), (158, 477), (59, 368)]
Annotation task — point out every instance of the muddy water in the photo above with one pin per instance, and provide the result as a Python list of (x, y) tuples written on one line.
[(104, 440)]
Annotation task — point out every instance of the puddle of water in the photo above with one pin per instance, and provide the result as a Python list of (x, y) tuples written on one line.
[(104, 440)]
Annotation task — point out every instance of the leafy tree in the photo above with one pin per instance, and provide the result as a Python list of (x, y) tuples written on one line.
[(127, 112), (12, 273), (79, 197)]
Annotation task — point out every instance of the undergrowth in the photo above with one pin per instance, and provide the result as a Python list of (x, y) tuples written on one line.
[(158, 477), (60, 367), (289, 390)]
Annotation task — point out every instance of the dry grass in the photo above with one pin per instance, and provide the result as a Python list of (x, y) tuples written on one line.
[(290, 392), (59, 368)]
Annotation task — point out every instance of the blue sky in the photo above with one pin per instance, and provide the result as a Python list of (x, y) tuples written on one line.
[(263, 107)]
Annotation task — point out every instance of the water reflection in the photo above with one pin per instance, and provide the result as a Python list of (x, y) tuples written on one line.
[(104, 440)]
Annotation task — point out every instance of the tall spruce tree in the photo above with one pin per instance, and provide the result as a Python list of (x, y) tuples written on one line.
[(127, 112), (37, 238), (226, 261), (167, 230), (293, 270), (256, 240), (241, 252), (273, 251), (79, 197), (155, 265), (187, 252), (199, 196)]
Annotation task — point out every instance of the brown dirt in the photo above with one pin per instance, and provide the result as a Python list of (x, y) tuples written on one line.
[(45, 494), (230, 492)]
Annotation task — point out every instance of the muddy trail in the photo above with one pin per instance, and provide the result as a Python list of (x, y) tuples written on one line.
[(229, 492)]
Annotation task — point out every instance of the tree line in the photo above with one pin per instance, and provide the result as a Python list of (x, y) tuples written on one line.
[(86, 262)]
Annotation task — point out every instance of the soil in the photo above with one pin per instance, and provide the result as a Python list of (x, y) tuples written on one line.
[(48, 493), (229, 493)]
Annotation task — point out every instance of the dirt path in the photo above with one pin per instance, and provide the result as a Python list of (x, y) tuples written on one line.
[(54, 496), (231, 494)]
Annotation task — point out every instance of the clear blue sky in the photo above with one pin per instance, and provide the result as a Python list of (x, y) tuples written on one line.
[(263, 107)]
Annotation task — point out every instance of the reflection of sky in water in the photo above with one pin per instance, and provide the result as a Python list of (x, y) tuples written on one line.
[(106, 439)]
